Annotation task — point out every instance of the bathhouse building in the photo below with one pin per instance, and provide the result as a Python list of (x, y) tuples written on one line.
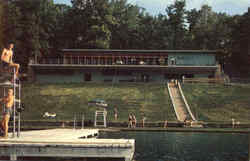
[(101, 65)]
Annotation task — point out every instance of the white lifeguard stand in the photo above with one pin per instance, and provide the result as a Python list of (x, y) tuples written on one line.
[(101, 118), (5, 84)]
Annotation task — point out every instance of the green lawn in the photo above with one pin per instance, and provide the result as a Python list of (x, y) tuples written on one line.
[(67, 99), (209, 102), (216, 102)]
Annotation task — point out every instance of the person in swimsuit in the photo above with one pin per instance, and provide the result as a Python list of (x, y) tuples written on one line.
[(7, 56), (134, 121), (8, 102), (143, 120), (116, 113), (130, 120)]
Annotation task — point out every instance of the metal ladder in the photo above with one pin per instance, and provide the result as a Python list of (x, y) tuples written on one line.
[(16, 86), (101, 118)]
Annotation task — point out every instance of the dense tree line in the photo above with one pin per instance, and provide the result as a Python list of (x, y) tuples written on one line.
[(40, 27)]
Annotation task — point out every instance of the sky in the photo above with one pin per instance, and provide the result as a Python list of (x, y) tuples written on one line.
[(154, 7)]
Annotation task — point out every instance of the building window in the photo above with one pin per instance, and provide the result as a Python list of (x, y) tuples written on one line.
[(87, 77), (172, 61)]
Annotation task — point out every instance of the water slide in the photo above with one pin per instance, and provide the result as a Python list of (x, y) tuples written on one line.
[(181, 107)]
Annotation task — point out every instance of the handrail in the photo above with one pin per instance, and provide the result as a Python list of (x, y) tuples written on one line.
[(185, 101)]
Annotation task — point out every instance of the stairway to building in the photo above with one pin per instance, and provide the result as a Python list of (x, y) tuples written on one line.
[(178, 103)]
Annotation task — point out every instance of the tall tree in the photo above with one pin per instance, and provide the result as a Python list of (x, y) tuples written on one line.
[(1, 23), (30, 27), (125, 24), (89, 20), (241, 44), (176, 18)]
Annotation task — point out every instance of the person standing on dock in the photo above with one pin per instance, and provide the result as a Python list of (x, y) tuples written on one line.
[(134, 121), (165, 123), (116, 114), (143, 120), (8, 102), (233, 122), (130, 123), (7, 58)]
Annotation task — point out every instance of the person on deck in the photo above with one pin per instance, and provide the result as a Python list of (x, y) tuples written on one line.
[(134, 121), (165, 123), (7, 58), (116, 114), (130, 123), (143, 120), (8, 102)]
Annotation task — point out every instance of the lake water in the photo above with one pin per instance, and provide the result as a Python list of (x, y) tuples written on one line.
[(180, 146)]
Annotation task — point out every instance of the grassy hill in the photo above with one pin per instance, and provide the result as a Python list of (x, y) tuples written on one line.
[(209, 102), (216, 102), (67, 99)]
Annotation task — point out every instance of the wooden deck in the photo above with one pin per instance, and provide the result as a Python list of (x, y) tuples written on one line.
[(65, 143)]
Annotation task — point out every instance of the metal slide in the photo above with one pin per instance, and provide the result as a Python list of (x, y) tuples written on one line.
[(179, 102)]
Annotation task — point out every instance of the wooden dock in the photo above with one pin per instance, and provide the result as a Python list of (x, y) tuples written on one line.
[(66, 143)]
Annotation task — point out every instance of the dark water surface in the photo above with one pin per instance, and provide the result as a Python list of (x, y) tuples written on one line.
[(180, 146)]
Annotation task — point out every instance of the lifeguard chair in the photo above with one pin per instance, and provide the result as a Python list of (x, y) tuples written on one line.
[(8, 80), (101, 113), (101, 118)]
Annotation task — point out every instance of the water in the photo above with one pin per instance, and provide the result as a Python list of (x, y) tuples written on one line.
[(179, 146)]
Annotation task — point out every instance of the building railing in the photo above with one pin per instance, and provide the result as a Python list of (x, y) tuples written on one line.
[(115, 60), (98, 60)]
